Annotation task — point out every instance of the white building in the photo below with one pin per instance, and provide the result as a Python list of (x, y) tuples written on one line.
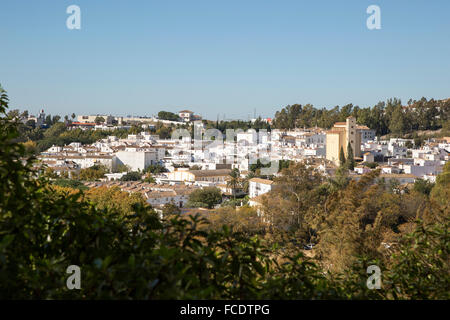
[(186, 115), (259, 186), (137, 160), (247, 138), (367, 134)]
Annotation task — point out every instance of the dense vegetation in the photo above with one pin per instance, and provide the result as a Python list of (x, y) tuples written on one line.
[(205, 198), (384, 117), (127, 252), (166, 115), (239, 124)]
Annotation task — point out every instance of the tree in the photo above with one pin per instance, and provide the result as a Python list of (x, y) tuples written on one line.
[(14, 114), (122, 168), (166, 115), (350, 163), (397, 123), (30, 147), (288, 205), (48, 121), (69, 183), (341, 157), (170, 210), (55, 119), (235, 181), (24, 115), (115, 199), (149, 178), (55, 131), (128, 252), (99, 120), (246, 182), (206, 198), (73, 116), (50, 173), (132, 176), (423, 186), (423, 259), (95, 172), (156, 169), (441, 190)]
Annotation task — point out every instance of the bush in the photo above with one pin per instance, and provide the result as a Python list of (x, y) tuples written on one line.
[(69, 183), (206, 198), (132, 176)]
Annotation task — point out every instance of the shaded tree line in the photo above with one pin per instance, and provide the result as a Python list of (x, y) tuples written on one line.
[(384, 117)]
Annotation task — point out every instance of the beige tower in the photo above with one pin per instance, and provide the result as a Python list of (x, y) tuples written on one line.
[(339, 136)]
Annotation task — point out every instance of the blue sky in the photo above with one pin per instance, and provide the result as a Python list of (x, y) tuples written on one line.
[(220, 57)]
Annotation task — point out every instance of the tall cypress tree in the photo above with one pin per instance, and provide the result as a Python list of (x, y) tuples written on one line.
[(350, 158), (341, 157)]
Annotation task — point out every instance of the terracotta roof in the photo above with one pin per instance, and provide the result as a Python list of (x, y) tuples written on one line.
[(210, 173), (397, 175), (334, 131), (259, 180)]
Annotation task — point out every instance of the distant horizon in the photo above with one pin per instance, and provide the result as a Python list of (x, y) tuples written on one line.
[(31, 112)]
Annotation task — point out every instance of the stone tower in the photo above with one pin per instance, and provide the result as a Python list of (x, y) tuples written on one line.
[(352, 136)]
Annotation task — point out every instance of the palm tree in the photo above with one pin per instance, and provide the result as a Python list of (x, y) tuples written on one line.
[(246, 182), (235, 181)]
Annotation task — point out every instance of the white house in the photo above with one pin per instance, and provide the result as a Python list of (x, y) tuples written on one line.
[(259, 186), (186, 115), (137, 160)]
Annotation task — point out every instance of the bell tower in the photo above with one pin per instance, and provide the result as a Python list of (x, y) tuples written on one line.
[(350, 134)]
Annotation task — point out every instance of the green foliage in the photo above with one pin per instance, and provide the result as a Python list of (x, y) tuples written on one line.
[(132, 176), (166, 115), (156, 169), (441, 190), (420, 269), (384, 117), (258, 165), (69, 183), (121, 168), (170, 209), (341, 157), (99, 120), (371, 165), (206, 198), (149, 178), (239, 124), (234, 181), (423, 186), (126, 252), (350, 162), (95, 172)]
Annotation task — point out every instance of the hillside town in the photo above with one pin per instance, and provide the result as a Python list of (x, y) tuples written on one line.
[(196, 162)]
